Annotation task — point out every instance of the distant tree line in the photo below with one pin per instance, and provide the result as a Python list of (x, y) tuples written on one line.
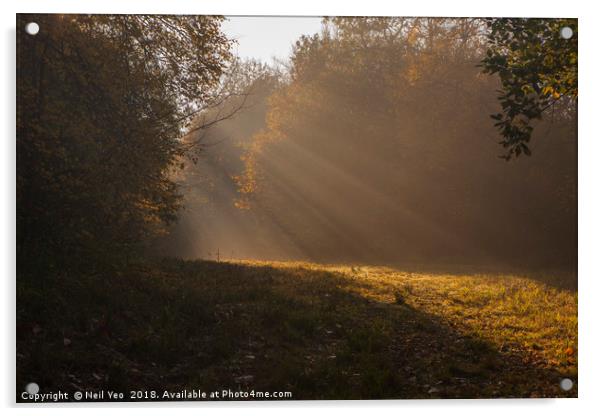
[(379, 147)]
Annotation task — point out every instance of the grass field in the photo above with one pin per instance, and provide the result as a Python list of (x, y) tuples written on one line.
[(320, 332)]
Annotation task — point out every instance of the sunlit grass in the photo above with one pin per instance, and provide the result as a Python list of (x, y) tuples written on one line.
[(509, 311), (318, 331)]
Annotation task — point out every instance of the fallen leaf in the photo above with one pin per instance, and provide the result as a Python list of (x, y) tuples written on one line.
[(243, 379)]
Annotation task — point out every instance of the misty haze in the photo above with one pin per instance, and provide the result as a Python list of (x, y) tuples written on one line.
[(386, 209)]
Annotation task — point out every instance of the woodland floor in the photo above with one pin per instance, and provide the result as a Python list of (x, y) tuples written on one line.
[(320, 332)]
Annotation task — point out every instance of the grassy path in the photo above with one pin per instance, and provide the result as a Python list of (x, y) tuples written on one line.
[(320, 332)]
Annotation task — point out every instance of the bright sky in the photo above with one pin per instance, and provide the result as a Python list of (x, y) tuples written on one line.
[(265, 37)]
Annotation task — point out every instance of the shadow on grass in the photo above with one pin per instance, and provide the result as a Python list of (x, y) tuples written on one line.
[(217, 326)]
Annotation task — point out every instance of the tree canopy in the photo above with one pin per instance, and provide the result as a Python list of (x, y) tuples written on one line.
[(378, 148), (388, 116), (103, 103)]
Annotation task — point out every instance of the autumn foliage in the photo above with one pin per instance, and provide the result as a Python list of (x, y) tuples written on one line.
[(103, 102)]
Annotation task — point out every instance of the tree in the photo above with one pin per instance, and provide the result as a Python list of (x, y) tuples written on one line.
[(537, 68), (103, 102), (213, 216), (373, 151)]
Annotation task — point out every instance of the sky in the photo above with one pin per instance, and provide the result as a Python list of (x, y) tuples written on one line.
[(264, 38)]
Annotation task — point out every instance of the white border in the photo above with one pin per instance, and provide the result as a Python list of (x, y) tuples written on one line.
[(590, 202)]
